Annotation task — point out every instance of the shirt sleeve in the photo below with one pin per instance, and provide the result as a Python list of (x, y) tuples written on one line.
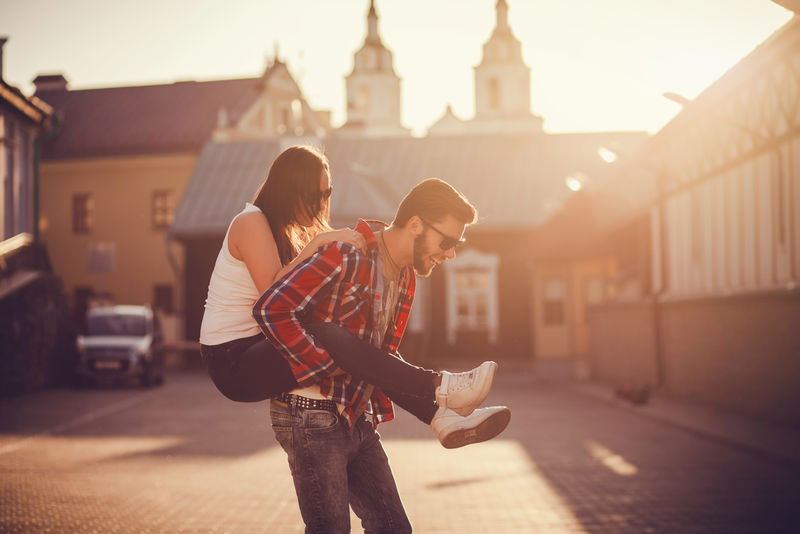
[(277, 312)]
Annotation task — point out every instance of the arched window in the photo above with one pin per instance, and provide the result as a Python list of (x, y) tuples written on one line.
[(472, 294)]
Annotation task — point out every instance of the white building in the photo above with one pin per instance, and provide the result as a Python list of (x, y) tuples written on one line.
[(373, 89), (502, 89)]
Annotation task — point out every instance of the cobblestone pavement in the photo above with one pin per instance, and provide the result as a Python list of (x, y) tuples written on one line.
[(183, 459)]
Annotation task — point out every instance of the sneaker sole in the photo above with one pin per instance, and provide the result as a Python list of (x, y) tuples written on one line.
[(484, 431), (464, 411)]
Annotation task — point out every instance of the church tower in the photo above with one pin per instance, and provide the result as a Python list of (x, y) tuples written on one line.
[(373, 88), (503, 83)]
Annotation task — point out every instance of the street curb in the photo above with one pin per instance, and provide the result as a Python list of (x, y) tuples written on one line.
[(780, 444)]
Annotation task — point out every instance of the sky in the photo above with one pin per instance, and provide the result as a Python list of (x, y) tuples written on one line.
[(595, 64)]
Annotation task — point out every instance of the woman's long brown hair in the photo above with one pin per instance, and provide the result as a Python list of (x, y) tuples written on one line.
[(292, 184)]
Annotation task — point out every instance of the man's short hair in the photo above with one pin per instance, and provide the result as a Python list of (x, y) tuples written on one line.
[(433, 200)]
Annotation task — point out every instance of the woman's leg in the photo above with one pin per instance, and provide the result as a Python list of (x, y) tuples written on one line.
[(252, 370), (366, 362), (422, 409), (249, 369)]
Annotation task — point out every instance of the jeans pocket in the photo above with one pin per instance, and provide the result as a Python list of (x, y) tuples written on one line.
[(320, 421), (284, 420)]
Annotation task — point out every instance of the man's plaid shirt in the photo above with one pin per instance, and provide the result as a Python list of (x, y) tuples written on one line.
[(336, 284)]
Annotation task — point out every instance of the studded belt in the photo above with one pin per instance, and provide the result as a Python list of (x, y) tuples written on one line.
[(306, 403)]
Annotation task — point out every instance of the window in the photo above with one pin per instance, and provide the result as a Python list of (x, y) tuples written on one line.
[(368, 59), (163, 209), (472, 294), (780, 200), (473, 299), (162, 298), (82, 213), (593, 294), (363, 100), (494, 93), (697, 226), (554, 294), (594, 291), (285, 116)]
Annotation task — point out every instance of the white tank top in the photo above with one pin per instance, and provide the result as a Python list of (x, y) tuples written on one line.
[(231, 294)]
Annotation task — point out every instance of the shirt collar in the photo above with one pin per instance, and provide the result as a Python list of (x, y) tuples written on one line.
[(363, 227)]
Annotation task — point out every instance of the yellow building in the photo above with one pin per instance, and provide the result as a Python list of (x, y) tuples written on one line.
[(114, 174), (718, 190)]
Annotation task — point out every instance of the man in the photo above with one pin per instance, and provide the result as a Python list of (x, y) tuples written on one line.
[(334, 453)]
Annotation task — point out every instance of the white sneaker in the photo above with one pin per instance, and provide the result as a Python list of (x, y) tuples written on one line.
[(483, 424), (463, 392)]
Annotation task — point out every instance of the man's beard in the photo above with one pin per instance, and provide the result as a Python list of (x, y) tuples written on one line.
[(419, 256)]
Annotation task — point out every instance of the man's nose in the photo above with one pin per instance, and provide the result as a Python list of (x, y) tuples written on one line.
[(450, 253)]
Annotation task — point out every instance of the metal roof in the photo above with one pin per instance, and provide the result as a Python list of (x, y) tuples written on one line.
[(227, 175), (513, 181)]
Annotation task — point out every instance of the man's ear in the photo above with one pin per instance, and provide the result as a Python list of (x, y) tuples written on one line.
[(415, 225)]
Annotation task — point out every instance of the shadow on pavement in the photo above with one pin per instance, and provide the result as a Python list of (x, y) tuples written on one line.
[(619, 472)]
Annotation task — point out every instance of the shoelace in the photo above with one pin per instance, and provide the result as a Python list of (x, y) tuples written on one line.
[(462, 381)]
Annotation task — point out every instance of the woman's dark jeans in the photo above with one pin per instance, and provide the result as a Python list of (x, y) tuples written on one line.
[(252, 370)]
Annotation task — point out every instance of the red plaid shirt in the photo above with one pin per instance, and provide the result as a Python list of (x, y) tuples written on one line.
[(336, 284)]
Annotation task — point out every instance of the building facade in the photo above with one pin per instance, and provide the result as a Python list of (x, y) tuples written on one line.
[(24, 122), (34, 353), (724, 219)]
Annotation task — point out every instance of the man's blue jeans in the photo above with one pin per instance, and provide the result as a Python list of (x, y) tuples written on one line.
[(334, 468)]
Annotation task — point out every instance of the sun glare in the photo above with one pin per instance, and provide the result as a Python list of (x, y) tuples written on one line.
[(574, 182), (611, 460), (607, 155)]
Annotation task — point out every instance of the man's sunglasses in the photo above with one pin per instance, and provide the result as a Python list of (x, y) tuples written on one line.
[(447, 241), (319, 196)]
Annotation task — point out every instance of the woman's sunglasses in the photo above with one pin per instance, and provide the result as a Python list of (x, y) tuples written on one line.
[(319, 196), (447, 241)]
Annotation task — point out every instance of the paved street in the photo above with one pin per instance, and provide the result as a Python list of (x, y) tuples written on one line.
[(181, 458)]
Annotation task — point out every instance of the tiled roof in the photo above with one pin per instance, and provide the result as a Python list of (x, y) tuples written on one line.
[(150, 119), (514, 181)]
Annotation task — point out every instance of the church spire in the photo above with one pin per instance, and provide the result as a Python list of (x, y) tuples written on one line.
[(503, 81), (373, 88), (502, 16), (372, 24)]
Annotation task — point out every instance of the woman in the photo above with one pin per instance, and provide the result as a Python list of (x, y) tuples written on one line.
[(285, 224)]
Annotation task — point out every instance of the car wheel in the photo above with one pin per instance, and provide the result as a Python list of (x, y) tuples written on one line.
[(148, 377), (152, 376)]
